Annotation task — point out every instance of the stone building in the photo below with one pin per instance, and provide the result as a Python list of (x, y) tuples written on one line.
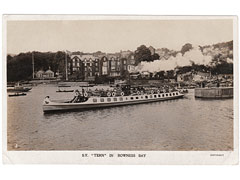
[(89, 66), (114, 65)]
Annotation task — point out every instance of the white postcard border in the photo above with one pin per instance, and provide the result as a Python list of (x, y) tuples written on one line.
[(151, 157)]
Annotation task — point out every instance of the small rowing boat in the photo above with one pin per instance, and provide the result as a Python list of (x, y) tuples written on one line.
[(64, 90), (17, 94), (100, 102), (18, 88)]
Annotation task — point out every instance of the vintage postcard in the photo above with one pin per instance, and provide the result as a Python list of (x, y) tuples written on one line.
[(120, 89)]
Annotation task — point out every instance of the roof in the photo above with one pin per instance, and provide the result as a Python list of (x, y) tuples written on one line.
[(145, 72), (49, 71), (110, 56), (203, 73), (73, 56), (40, 71), (87, 57)]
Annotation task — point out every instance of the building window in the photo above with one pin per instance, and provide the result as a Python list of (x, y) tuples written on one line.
[(113, 64)]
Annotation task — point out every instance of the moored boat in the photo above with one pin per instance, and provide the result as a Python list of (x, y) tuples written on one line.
[(100, 102), (17, 94), (18, 88), (64, 90)]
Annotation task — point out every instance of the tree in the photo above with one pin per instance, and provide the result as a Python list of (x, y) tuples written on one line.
[(186, 47), (155, 56), (160, 75), (9, 57), (223, 68), (142, 54), (19, 67)]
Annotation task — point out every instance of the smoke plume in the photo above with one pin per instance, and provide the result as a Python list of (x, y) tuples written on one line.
[(193, 56)]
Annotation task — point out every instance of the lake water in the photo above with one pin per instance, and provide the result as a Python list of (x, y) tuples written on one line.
[(182, 124)]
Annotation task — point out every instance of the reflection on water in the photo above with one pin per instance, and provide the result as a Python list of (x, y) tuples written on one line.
[(182, 124)]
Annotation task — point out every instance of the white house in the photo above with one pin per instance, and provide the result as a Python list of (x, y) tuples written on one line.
[(45, 74), (145, 74), (201, 76)]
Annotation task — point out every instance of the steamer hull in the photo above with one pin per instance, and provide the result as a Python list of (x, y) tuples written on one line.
[(102, 102)]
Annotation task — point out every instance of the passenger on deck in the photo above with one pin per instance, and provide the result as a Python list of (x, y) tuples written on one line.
[(76, 97)]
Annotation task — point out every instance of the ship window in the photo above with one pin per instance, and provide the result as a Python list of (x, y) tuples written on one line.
[(174, 94), (94, 100), (150, 96), (141, 97), (131, 97), (170, 94), (126, 98), (136, 97), (120, 99), (146, 97), (166, 94), (109, 99), (115, 99), (159, 95), (102, 100), (155, 96)]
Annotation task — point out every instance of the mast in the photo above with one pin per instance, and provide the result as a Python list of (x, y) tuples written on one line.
[(32, 65), (66, 66)]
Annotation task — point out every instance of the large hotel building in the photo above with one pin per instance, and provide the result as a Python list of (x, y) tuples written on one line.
[(89, 66)]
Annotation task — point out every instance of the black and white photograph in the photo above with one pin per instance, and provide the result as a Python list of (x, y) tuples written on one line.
[(121, 84)]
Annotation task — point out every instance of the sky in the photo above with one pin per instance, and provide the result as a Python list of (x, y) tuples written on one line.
[(113, 35)]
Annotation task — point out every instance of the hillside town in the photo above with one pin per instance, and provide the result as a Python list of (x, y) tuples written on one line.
[(125, 66)]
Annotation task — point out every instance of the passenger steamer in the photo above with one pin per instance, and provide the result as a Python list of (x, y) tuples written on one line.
[(99, 102)]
